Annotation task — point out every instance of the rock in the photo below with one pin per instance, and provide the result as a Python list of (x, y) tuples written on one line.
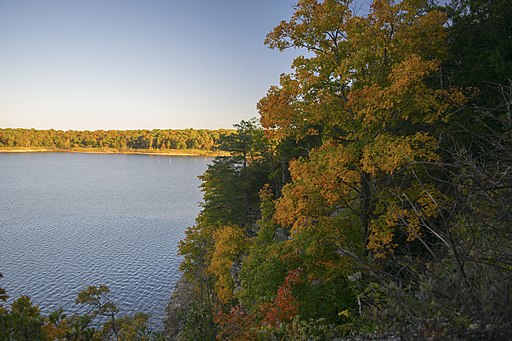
[(473, 326), (181, 298), (235, 274), (282, 234)]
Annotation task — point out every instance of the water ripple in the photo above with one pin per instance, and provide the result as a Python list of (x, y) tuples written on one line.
[(73, 220)]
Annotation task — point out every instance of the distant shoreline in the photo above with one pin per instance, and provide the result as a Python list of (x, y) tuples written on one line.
[(166, 152)]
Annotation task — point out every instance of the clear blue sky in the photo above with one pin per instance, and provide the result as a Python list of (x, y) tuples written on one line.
[(136, 64)]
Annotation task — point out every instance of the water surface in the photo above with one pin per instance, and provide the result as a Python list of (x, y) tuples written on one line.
[(69, 220)]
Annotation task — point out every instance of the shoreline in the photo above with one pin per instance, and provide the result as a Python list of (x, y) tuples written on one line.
[(168, 152)]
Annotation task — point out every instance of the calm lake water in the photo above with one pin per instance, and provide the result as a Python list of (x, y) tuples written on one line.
[(70, 220)]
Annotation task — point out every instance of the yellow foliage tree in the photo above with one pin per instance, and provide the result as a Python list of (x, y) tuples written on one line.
[(369, 85), (230, 243)]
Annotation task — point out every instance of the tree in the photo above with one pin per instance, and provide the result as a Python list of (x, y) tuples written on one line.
[(247, 143), (23, 321), (365, 89), (480, 47), (231, 184), (230, 243), (100, 306)]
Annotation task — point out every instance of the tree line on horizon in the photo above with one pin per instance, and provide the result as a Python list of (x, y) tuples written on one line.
[(157, 139)]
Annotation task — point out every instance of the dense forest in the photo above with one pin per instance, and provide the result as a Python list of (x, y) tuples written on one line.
[(372, 198), (123, 140), (375, 199)]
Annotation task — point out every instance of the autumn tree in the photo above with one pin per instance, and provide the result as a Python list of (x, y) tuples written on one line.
[(230, 243), (365, 88), (385, 172)]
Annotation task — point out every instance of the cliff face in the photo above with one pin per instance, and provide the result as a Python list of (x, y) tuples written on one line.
[(182, 297)]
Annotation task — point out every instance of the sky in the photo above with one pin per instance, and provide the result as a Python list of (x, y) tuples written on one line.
[(136, 64)]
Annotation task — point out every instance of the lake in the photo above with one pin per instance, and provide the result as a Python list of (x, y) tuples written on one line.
[(70, 220)]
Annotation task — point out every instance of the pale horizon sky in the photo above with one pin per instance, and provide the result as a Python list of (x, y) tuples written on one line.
[(133, 64), (138, 64)]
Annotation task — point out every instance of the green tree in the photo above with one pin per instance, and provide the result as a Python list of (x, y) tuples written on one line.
[(23, 321), (247, 143)]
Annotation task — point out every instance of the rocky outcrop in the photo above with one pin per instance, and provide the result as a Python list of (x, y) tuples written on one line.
[(182, 297)]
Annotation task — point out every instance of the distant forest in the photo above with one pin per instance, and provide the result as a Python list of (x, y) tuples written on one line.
[(202, 139)]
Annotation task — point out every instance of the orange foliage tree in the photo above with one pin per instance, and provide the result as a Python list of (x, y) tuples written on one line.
[(285, 306), (368, 85)]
